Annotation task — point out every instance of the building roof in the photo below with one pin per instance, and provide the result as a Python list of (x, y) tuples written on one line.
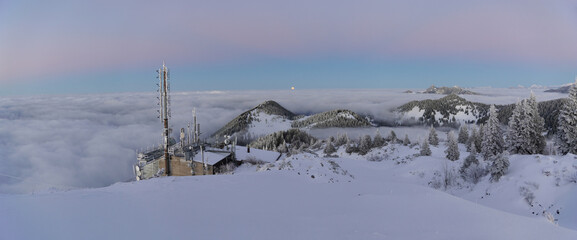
[(211, 158)]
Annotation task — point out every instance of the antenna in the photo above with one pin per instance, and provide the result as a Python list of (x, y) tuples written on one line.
[(188, 134), (182, 137), (196, 127), (164, 98)]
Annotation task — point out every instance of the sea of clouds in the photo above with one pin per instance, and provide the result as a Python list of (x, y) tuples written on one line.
[(78, 141)]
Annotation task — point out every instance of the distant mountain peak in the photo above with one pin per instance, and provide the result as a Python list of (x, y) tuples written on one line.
[(451, 110), (448, 90), (273, 108), (563, 89)]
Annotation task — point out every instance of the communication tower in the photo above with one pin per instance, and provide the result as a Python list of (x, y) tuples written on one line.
[(164, 102), (196, 126)]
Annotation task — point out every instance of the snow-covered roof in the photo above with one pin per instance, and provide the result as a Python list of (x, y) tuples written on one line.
[(211, 158)]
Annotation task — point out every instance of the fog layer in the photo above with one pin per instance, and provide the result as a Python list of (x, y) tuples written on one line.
[(78, 141)]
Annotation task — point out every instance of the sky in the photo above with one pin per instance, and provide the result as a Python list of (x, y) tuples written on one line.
[(74, 47)]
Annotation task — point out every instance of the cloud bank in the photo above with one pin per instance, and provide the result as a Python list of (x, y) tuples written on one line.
[(79, 141)]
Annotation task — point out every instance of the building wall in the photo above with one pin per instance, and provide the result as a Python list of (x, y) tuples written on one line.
[(198, 169), (178, 166), (149, 169)]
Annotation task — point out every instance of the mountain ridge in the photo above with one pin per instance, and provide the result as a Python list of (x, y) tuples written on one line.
[(269, 117), (446, 91), (453, 110)]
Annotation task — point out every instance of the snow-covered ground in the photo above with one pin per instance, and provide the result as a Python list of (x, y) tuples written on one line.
[(308, 196), (52, 143), (264, 124)]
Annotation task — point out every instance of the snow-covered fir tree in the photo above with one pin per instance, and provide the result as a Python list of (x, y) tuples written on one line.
[(471, 139), (567, 123), (342, 139), (526, 127), (282, 148), (472, 158), (365, 145), (493, 143), (392, 136), (329, 148), (499, 166), (463, 134), (479, 138), (425, 149), (351, 147), (516, 131), (471, 147), (433, 137), (536, 124), (452, 151), (378, 140), (406, 141), (471, 170), (316, 144)]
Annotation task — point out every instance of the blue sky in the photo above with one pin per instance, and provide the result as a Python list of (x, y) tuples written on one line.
[(116, 46)]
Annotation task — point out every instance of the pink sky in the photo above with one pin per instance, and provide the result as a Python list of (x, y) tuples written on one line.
[(40, 39)]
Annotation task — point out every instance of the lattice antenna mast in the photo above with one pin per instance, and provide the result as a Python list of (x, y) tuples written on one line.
[(196, 127), (164, 90)]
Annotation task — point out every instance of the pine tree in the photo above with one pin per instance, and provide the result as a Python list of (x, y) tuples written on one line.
[(342, 139), (471, 159), (493, 142), (515, 133), (536, 125), (330, 148), (471, 141), (463, 134), (378, 141), (425, 149), (472, 148), (567, 127), (433, 137), (471, 170), (282, 148), (351, 147), (406, 141), (526, 127), (316, 144), (500, 165), (479, 139), (452, 150), (365, 145), (392, 136)]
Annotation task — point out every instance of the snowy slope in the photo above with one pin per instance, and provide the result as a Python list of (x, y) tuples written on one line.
[(262, 206), (449, 109), (335, 118), (304, 196), (264, 124), (261, 120), (270, 117)]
